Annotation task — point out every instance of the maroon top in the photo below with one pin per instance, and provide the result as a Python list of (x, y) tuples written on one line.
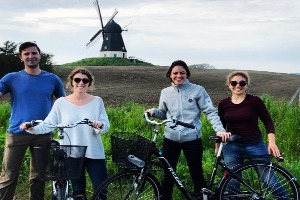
[(242, 119)]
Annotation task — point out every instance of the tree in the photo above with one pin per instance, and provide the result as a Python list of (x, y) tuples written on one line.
[(10, 61), (9, 48), (202, 66)]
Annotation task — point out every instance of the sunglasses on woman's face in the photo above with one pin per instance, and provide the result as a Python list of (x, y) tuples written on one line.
[(84, 80), (241, 83)]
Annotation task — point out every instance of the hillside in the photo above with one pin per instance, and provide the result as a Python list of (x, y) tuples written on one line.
[(118, 84)]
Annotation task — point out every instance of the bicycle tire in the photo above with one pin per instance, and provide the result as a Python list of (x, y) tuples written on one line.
[(121, 186), (61, 191), (269, 180)]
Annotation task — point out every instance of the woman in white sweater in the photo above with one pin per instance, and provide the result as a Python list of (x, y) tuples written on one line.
[(72, 108)]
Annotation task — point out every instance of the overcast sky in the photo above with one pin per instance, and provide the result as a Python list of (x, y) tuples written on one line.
[(259, 35)]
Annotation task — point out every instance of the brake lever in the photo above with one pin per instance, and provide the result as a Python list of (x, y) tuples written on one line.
[(174, 121), (280, 158), (32, 123)]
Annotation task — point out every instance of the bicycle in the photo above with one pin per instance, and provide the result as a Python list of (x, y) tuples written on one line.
[(59, 162), (257, 179)]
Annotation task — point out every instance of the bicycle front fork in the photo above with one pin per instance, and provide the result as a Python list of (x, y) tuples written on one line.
[(61, 190)]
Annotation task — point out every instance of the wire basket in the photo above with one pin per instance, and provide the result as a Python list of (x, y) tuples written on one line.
[(125, 143), (60, 162)]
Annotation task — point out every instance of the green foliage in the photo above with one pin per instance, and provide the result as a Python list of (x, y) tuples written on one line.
[(129, 118), (4, 116), (287, 123), (108, 62), (10, 61), (9, 48)]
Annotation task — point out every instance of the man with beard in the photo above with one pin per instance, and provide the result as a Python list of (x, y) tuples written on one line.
[(32, 92)]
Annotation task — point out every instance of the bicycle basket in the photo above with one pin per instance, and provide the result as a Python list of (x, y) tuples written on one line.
[(59, 162), (125, 143)]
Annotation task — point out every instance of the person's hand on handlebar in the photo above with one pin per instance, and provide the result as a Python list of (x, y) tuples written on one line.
[(97, 124), (150, 111), (26, 126), (224, 135)]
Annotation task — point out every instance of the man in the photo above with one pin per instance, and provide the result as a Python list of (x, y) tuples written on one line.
[(32, 91)]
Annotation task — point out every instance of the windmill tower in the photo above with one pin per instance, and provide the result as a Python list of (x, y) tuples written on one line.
[(113, 44)]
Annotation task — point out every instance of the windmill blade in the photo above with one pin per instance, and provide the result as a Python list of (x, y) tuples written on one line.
[(91, 43), (112, 17), (123, 29), (96, 4), (94, 37)]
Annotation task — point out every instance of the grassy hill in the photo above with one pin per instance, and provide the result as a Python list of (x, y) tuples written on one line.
[(108, 62)]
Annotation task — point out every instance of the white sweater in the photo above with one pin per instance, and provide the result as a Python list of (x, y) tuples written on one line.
[(65, 112)]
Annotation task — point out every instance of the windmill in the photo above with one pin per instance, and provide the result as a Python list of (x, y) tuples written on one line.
[(113, 44)]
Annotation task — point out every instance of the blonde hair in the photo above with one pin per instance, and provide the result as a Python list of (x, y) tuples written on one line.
[(238, 73)]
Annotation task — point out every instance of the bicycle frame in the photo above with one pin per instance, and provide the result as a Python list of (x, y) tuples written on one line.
[(206, 192), (217, 163), (60, 183), (169, 169)]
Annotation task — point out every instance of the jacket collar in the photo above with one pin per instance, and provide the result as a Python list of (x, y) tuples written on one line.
[(185, 84)]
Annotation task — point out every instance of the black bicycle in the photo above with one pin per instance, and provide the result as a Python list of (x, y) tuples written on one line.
[(59, 162), (255, 179)]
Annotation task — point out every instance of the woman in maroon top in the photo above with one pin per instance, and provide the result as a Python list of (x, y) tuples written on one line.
[(239, 115)]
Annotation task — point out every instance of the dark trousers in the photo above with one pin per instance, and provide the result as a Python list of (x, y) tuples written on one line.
[(97, 171), (14, 152), (193, 153)]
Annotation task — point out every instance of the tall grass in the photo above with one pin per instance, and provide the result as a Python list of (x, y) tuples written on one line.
[(287, 125), (129, 118), (4, 116)]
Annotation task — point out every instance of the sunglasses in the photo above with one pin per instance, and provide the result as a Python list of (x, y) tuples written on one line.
[(84, 80), (241, 83)]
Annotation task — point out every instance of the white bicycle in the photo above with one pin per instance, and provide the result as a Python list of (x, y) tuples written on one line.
[(59, 162)]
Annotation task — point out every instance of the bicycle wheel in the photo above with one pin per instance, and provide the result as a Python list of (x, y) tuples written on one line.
[(128, 185), (267, 180), (61, 188)]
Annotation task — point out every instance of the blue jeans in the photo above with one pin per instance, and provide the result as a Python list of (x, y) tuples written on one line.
[(234, 154), (97, 171)]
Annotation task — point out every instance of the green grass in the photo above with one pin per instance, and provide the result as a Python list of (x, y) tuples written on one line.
[(108, 62), (129, 118)]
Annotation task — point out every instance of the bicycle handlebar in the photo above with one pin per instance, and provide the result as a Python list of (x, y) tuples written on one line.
[(173, 120), (61, 126)]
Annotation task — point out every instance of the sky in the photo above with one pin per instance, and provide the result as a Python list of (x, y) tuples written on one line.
[(262, 35)]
